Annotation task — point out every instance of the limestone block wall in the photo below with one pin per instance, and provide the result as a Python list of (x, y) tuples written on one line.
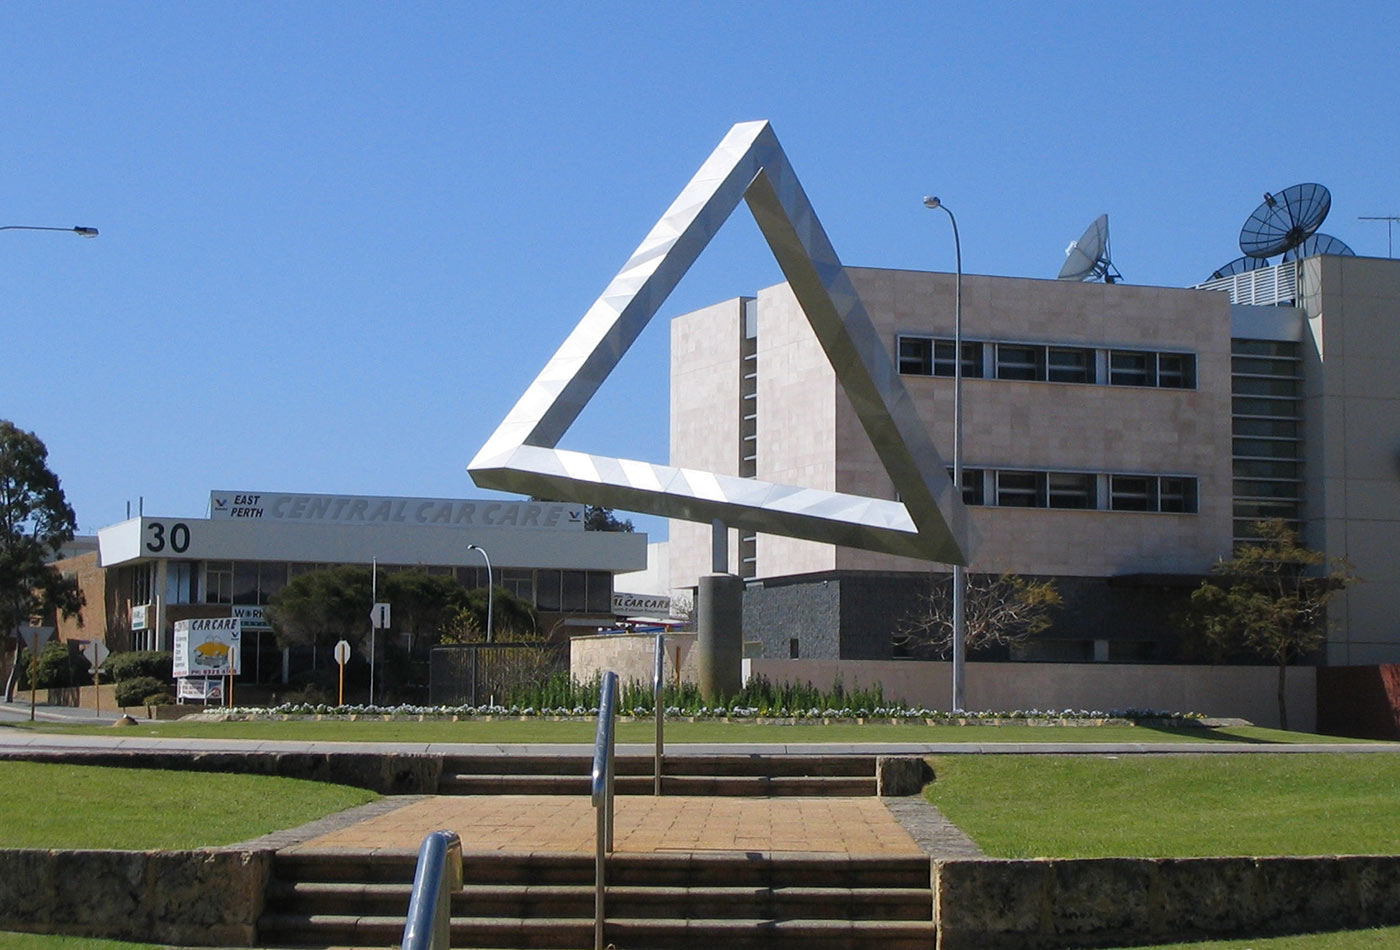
[(989, 904), (184, 898)]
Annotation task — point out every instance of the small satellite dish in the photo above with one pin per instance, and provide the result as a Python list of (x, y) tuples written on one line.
[(1239, 266), (1088, 258), (1285, 219), (1319, 243)]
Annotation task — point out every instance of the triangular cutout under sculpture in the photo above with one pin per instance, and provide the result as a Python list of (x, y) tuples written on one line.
[(928, 522)]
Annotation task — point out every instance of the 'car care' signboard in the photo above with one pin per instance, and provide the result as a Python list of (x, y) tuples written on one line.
[(209, 647)]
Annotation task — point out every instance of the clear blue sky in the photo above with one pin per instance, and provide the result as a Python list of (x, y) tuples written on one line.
[(339, 239)]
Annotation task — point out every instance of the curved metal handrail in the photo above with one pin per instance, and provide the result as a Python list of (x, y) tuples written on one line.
[(437, 877)]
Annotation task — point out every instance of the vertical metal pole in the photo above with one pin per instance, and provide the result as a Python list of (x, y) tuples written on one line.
[(373, 598), (959, 571), (657, 686)]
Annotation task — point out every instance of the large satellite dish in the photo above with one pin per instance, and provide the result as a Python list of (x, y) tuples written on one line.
[(1285, 220), (1088, 258), (1239, 266), (1319, 243)]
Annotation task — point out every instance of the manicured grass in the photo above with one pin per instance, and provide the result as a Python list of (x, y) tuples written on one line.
[(1381, 937), (537, 730), (9, 940), (75, 806), (1172, 806)]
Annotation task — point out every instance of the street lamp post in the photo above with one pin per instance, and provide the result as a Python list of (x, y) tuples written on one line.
[(81, 232), (959, 571), (490, 596)]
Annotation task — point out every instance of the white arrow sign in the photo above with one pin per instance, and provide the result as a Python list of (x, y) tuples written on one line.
[(379, 617)]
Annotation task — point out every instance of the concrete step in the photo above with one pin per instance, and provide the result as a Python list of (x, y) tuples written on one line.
[(719, 785), (561, 933), (684, 901), (331, 899), (777, 763)]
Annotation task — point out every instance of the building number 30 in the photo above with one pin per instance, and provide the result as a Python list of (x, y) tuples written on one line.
[(178, 537)]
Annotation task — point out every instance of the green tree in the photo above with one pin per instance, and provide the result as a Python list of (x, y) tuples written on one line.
[(998, 610), (35, 522), (320, 607), (1270, 600), (598, 518)]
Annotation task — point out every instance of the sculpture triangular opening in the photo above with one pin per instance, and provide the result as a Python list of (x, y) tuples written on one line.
[(929, 521)]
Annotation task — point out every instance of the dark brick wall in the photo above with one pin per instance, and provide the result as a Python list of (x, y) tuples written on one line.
[(851, 615)]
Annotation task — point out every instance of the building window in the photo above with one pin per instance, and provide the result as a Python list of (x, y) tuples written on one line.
[(547, 590), (1176, 495), (1020, 489), (1070, 365), (1176, 371), (1131, 368), (519, 582), (574, 591), (916, 356), (1020, 362), (600, 587), (943, 359), (218, 582), (973, 488), (181, 584), (1132, 493), (1072, 490)]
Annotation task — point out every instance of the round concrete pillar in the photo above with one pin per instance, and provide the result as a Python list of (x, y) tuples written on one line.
[(719, 627)]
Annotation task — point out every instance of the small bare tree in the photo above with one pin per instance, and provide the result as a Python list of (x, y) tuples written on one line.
[(998, 609)]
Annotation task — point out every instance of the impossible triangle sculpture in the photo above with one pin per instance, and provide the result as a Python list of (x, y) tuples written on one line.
[(929, 521)]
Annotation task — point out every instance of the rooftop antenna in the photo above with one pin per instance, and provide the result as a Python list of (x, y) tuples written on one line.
[(1389, 220), (1088, 258), (1285, 220)]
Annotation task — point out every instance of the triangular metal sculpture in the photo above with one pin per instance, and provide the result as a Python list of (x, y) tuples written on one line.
[(928, 522)]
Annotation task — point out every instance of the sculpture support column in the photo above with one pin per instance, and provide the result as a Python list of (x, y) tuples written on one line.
[(719, 612)]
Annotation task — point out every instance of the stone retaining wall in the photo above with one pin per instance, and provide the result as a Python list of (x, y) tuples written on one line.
[(386, 773), (994, 904), (186, 898)]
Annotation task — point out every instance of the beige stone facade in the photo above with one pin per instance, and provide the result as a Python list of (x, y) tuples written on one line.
[(1106, 432)]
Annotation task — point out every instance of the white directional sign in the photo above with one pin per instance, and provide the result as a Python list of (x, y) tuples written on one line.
[(379, 616)]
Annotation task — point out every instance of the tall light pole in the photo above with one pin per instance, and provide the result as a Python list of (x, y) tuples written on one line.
[(489, 595), (959, 572), (81, 232)]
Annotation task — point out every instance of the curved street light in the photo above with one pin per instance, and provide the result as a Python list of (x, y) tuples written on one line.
[(490, 596), (79, 231), (959, 571)]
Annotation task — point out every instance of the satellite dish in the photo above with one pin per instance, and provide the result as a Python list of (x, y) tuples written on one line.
[(1319, 243), (1088, 257), (1239, 266), (1285, 220)]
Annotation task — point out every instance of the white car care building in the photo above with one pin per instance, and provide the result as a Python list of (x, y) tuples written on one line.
[(155, 570)]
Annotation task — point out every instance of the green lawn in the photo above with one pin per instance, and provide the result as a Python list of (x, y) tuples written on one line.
[(1382, 937), (1177, 806), (77, 806), (537, 730)]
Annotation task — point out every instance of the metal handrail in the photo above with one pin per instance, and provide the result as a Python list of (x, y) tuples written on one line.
[(604, 764), (657, 683), (437, 877)]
